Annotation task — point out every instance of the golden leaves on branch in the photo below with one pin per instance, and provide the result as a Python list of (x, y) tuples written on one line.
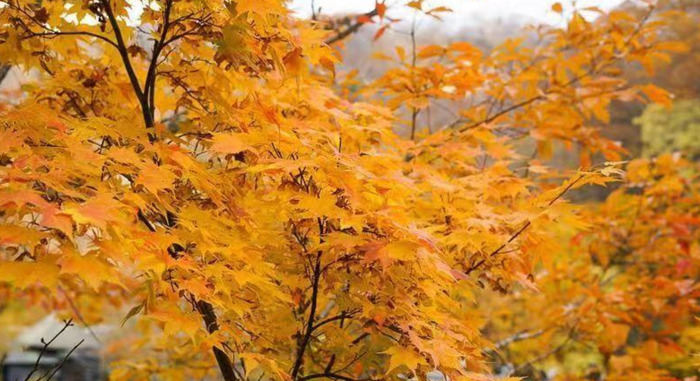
[(287, 226)]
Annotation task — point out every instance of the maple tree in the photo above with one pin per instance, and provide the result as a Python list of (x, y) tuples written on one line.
[(198, 168), (624, 299), (677, 73)]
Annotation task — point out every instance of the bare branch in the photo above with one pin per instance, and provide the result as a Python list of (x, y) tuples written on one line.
[(60, 365), (46, 345), (351, 29)]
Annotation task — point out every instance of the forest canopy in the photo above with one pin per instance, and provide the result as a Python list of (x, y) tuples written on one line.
[(208, 178)]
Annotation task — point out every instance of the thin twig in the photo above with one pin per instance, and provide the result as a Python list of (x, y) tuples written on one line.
[(45, 348), (522, 229), (78, 314), (60, 365), (351, 29)]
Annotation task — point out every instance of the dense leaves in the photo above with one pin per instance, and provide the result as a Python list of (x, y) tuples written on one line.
[(197, 169)]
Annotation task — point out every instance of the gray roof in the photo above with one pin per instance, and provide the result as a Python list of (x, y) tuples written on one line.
[(29, 358), (47, 328)]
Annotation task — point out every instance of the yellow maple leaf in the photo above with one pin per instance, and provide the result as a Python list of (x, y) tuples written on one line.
[(402, 356), (229, 143), (92, 270), (24, 274)]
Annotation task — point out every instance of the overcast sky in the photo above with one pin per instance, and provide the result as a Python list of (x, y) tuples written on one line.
[(464, 10)]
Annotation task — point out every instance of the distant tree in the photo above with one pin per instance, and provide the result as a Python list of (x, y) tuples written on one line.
[(671, 129), (213, 184)]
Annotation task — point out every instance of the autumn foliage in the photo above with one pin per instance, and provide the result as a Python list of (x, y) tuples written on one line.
[(205, 175)]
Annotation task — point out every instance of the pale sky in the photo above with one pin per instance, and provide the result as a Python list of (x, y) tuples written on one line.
[(464, 10)]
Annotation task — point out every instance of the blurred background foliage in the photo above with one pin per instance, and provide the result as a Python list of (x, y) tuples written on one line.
[(675, 128)]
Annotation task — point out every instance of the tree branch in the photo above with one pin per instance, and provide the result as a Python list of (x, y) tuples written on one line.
[(58, 366), (334, 376), (351, 29), (303, 343), (88, 34), (150, 83), (525, 335), (124, 54), (544, 355), (206, 310), (78, 314), (51, 372), (4, 69), (496, 115), (522, 229), (342, 315)]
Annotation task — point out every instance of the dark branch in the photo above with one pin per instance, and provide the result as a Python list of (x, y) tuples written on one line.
[(87, 34), (60, 365), (496, 115), (46, 345), (342, 315), (351, 29), (304, 342), (206, 310), (4, 69), (150, 83), (124, 54), (334, 376)]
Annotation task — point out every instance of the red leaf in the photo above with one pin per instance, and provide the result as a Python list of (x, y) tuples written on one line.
[(364, 19), (380, 8), (380, 32)]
